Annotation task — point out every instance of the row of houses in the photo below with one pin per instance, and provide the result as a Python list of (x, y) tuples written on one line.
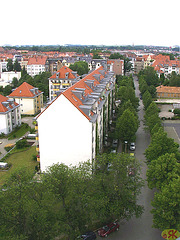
[(161, 63), (42, 62)]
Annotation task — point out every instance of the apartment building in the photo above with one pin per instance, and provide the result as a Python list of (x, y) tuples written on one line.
[(6, 78), (10, 115), (29, 98), (72, 127), (116, 65), (36, 65), (138, 65), (61, 80), (163, 64)]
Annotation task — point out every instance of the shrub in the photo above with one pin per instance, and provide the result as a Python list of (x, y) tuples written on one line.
[(22, 144), (177, 111)]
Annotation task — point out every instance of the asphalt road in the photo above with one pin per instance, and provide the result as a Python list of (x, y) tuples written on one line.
[(140, 229)]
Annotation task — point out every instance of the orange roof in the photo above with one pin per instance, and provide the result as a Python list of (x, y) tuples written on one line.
[(37, 60), (68, 93), (81, 84), (62, 73), (3, 108), (167, 89), (25, 90)]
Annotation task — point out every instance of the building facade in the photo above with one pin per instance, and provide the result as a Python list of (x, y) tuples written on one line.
[(29, 98), (61, 80), (72, 127), (10, 115), (36, 65)]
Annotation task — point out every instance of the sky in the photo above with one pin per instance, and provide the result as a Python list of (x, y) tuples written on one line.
[(95, 22)]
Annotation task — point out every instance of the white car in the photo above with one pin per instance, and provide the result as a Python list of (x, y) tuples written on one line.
[(132, 146)]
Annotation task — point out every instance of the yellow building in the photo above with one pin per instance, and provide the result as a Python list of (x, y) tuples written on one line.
[(29, 98)]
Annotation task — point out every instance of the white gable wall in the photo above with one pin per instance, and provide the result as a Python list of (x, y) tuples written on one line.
[(26, 105), (65, 134)]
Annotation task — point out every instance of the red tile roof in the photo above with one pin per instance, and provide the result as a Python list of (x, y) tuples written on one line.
[(167, 89), (62, 73), (37, 60), (81, 84), (68, 93), (2, 107), (24, 90)]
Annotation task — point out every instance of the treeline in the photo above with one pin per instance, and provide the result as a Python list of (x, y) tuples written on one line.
[(81, 48), (163, 159), (127, 122)]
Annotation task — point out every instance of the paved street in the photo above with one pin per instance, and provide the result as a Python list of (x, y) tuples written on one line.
[(140, 229)]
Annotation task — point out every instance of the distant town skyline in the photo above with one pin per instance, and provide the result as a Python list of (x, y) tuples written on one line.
[(90, 23)]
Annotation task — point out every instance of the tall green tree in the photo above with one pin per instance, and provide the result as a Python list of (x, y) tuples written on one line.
[(160, 145), (147, 99), (16, 66), (126, 126), (10, 65), (150, 76), (27, 209), (162, 170), (15, 82), (166, 205)]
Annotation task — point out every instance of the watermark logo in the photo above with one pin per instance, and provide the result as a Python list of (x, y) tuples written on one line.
[(170, 234)]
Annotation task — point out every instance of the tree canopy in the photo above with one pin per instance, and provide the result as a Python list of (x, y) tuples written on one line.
[(160, 145), (80, 67), (162, 170), (166, 205), (69, 200), (126, 126)]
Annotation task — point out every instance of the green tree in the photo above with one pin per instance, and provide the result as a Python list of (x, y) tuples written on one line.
[(7, 90), (119, 191), (162, 170), (125, 93), (166, 205), (160, 145), (17, 66), (14, 82), (126, 126), (81, 67), (27, 209), (9, 65), (150, 76), (147, 99)]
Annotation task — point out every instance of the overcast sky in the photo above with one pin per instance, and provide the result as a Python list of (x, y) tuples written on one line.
[(95, 22)]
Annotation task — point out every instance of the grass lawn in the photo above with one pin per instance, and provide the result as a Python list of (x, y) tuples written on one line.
[(19, 132), (19, 159)]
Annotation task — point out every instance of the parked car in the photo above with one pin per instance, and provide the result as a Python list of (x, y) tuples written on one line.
[(107, 229), (88, 236), (115, 143), (132, 146)]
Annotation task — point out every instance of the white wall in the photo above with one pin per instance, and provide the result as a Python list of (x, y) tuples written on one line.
[(8, 76), (3, 124), (65, 134), (26, 105)]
